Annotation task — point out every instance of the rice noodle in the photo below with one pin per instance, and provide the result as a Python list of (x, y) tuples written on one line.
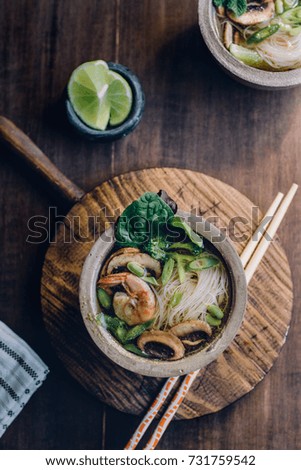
[(281, 51), (206, 287)]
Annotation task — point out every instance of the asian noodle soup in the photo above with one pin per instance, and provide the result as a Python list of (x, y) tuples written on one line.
[(166, 295), (264, 34)]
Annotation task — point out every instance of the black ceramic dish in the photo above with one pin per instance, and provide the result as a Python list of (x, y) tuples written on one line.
[(112, 133)]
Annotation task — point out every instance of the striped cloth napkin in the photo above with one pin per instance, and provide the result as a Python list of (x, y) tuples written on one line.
[(22, 372)]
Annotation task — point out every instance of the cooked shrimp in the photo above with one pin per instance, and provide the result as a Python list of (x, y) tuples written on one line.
[(137, 304)]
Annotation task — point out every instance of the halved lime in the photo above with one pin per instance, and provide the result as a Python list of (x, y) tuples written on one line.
[(99, 96)]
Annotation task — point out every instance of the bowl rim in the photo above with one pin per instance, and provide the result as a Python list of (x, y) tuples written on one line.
[(244, 73), (109, 346)]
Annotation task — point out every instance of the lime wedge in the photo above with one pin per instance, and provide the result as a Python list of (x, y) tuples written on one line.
[(120, 97), (99, 96)]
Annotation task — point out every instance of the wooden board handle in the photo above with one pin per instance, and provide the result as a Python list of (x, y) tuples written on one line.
[(28, 152)]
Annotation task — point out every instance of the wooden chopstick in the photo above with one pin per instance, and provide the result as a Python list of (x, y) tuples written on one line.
[(270, 233), (171, 410), (256, 249), (151, 413), (258, 234)]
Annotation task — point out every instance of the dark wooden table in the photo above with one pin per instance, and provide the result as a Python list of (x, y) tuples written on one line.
[(195, 117)]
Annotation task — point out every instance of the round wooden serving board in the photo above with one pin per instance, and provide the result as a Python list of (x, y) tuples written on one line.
[(254, 349)]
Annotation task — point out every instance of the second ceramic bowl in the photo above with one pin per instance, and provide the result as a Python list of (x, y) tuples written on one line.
[(243, 73)]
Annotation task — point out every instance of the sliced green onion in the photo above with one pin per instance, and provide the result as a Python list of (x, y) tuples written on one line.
[(180, 267), (292, 16), (176, 299), (104, 298), (205, 262), (288, 4), (150, 280), (295, 31), (136, 268), (133, 349), (167, 271), (182, 257), (279, 7), (137, 330)]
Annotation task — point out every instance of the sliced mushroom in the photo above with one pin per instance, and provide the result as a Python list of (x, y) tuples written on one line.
[(119, 260), (257, 12), (161, 345), (236, 37), (192, 332), (228, 34)]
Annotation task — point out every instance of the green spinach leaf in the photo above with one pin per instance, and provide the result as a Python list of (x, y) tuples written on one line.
[(177, 222), (142, 220), (219, 3), (239, 7)]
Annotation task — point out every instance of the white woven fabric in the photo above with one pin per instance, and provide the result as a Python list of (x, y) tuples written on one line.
[(22, 372)]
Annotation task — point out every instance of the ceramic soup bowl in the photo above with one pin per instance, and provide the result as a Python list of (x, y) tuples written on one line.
[(109, 346)]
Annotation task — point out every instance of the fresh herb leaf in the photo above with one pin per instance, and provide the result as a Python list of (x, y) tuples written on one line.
[(156, 248), (239, 7), (114, 325), (118, 328)]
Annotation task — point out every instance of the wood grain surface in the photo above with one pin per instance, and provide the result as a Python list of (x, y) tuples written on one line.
[(244, 363), (195, 117)]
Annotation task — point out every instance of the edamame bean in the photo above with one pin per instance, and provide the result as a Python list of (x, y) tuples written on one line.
[(212, 321), (215, 311), (104, 298)]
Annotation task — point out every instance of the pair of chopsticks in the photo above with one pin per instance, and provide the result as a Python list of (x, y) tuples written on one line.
[(250, 258)]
